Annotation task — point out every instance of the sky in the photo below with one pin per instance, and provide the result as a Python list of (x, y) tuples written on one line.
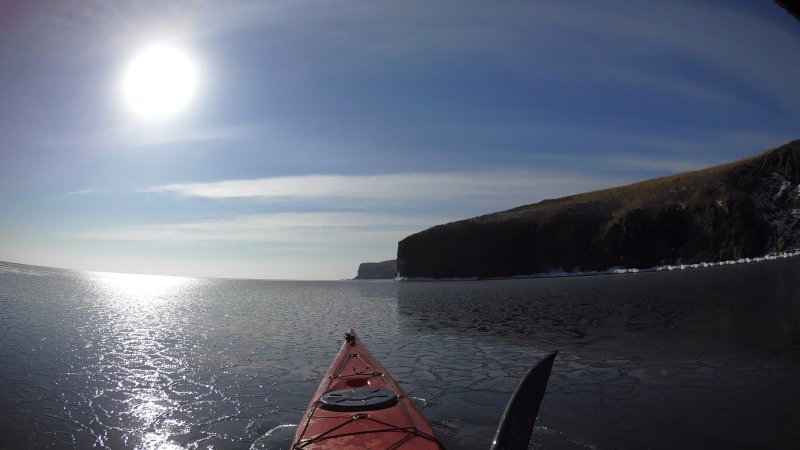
[(322, 133)]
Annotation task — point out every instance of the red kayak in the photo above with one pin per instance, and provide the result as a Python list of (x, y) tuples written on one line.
[(360, 406)]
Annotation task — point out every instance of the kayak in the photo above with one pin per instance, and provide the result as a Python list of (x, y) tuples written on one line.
[(358, 405)]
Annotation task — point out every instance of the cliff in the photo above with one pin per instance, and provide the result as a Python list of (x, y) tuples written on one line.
[(747, 208), (377, 270)]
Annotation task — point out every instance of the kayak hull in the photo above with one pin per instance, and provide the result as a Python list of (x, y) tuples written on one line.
[(358, 405)]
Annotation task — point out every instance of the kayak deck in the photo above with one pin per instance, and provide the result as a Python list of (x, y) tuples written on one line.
[(358, 405)]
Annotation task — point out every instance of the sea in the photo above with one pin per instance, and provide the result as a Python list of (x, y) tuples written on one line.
[(692, 359)]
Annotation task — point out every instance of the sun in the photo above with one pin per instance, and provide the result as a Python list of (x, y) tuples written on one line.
[(159, 82)]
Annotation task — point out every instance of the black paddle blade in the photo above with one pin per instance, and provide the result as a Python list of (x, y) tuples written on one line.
[(516, 425)]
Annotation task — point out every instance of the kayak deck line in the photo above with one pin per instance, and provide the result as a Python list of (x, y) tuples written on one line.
[(358, 405)]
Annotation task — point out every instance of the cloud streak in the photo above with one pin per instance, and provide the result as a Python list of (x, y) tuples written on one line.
[(313, 228), (83, 191), (128, 137), (473, 187)]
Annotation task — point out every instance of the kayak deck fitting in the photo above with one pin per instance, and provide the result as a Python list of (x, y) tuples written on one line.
[(359, 405)]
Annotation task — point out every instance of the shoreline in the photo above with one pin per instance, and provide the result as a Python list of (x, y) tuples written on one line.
[(613, 270)]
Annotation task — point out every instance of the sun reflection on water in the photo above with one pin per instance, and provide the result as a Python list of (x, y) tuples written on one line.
[(141, 287), (144, 355)]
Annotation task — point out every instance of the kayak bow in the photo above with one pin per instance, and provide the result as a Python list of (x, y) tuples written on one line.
[(358, 405)]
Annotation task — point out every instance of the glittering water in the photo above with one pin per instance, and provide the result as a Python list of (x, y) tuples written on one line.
[(695, 359)]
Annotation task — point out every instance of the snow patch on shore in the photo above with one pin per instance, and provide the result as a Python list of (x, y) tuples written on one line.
[(618, 270)]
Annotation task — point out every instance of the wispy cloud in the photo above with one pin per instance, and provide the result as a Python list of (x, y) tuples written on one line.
[(136, 137), (321, 228), (476, 187), (83, 191), (637, 43), (639, 164), (127, 137), (97, 26), (644, 154)]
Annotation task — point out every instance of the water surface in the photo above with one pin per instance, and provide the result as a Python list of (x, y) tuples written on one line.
[(705, 358)]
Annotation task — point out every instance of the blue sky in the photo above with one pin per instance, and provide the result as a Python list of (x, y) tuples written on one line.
[(323, 133)]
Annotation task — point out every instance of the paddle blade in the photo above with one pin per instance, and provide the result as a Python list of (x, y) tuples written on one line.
[(516, 425)]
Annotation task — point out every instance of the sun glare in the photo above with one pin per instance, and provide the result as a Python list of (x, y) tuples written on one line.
[(159, 82), (141, 288)]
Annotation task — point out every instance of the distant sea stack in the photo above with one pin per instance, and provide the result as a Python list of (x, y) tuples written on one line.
[(744, 209), (377, 270)]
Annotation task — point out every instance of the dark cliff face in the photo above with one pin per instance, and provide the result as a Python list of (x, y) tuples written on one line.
[(743, 209), (377, 270)]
